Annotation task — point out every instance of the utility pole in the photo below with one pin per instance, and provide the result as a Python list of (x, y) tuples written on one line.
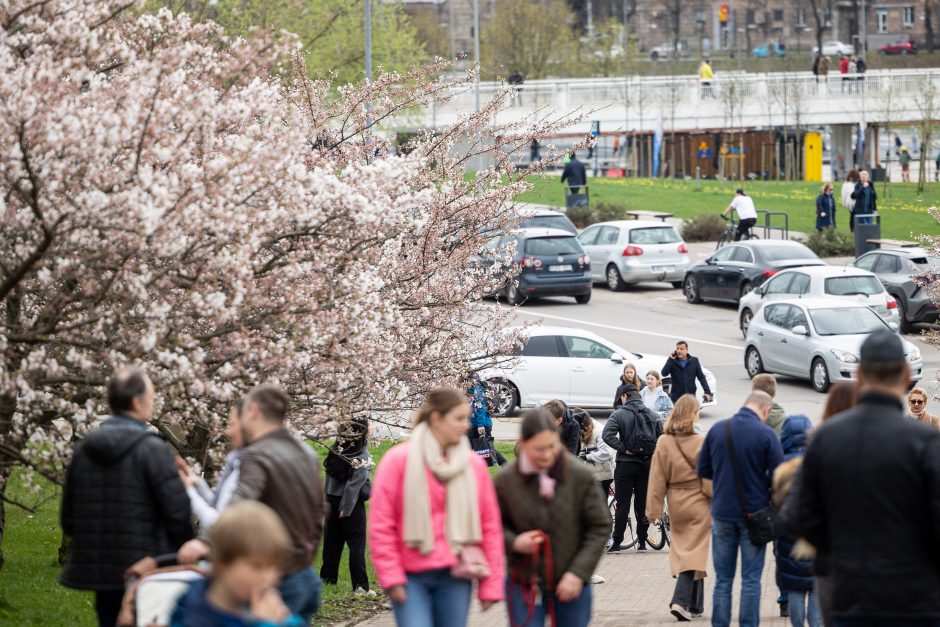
[(476, 51), (864, 28), (590, 20), (453, 36)]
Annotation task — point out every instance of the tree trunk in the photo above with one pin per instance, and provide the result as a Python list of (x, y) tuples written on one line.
[(922, 173), (5, 468)]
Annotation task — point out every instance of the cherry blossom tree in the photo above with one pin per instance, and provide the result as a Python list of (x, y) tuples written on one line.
[(195, 204)]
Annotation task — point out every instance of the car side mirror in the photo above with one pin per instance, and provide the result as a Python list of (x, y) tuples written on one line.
[(615, 357), (710, 261), (800, 329)]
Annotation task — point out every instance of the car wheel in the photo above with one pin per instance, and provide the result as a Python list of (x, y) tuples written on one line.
[(514, 296), (583, 299), (676, 284), (614, 279), (690, 287), (746, 317), (819, 376), (505, 397), (904, 326), (753, 362), (746, 288)]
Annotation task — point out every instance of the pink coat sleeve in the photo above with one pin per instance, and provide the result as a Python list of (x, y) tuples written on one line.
[(491, 588), (385, 519)]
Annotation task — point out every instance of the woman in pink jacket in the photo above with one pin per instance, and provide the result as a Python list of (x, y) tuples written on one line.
[(432, 497)]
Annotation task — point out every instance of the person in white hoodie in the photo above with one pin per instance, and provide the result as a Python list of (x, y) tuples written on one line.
[(655, 397), (845, 194)]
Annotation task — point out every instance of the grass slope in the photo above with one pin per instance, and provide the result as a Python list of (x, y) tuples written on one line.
[(902, 215), (30, 595)]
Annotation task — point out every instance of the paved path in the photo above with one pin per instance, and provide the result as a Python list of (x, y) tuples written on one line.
[(637, 592)]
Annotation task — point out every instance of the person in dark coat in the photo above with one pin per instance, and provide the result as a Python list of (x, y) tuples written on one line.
[(574, 173), (825, 208), (568, 428), (123, 498), (867, 470), (684, 371), (865, 197)]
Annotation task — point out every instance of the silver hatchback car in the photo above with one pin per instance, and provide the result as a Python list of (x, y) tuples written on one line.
[(634, 251), (815, 338)]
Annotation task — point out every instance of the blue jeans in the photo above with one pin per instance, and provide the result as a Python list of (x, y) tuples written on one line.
[(727, 537), (301, 593), (435, 599), (804, 609), (576, 613)]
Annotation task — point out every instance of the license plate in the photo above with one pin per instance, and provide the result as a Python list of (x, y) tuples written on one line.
[(562, 268), (657, 269)]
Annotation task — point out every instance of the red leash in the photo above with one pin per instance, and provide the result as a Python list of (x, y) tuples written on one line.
[(529, 591)]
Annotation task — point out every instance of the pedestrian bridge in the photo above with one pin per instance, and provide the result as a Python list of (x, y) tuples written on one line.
[(731, 101)]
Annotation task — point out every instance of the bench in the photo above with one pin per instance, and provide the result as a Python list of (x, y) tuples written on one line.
[(893, 243), (662, 215)]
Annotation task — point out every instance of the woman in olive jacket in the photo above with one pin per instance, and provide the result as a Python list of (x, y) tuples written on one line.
[(550, 504)]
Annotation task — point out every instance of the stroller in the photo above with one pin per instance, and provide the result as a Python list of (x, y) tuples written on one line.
[(154, 585)]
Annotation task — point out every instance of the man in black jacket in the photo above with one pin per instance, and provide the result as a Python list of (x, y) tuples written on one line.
[(632, 472), (866, 200), (684, 370), (575, 174), (123, 498), (868, 470)]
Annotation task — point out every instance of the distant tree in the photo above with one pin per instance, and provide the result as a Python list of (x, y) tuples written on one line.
[(821, 10), (534, 39)]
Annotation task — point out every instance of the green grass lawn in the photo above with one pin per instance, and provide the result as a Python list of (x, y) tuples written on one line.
[(30, 594), (903, 216)]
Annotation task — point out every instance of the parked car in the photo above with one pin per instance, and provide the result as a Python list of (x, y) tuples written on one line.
[(895, 269), (835, 48), (551, 262), (736, 269), (775, 48), (633, 251), (572, 365), (539, 217), (815, 339), (821, 282), (669, 51), (899, 47)]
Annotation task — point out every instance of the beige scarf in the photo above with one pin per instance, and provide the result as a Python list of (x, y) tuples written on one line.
[(463, 513)]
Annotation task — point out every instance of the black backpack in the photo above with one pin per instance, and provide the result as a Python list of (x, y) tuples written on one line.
[(337, 467), (647, 428)]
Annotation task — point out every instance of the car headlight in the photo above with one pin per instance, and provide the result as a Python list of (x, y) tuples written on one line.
[(844, 357), (914, 355)]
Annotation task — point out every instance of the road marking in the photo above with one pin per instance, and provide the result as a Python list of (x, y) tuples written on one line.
[(626, 330)]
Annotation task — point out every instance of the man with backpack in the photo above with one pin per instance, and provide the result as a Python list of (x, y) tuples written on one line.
[(632, 431)]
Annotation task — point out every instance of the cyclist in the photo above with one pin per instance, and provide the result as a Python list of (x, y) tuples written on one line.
[(747, 214)]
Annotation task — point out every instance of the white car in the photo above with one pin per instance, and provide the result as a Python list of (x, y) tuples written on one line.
[(846, 283), (835, 48), (632, 251), (572, 365)]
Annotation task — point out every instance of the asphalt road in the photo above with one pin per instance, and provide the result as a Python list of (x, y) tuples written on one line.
[(650, 318)]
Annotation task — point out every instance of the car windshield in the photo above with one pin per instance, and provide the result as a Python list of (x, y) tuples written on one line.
[(654, 235), (846, 321), (853, 286), (779, 253), (552, 246), (549, 222)]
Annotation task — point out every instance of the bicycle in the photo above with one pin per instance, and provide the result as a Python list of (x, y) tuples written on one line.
[(729, 233), (658, 534)]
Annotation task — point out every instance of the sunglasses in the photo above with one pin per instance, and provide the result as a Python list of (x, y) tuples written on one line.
[(916, 402)]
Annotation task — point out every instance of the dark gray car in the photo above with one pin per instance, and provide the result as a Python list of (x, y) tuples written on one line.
[(895, 268)]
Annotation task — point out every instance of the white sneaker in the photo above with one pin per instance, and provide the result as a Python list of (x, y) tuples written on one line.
[(361, 592), (597, 579), (680, 612)]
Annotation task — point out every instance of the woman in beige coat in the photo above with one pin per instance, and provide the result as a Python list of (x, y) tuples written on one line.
[(673, 477)]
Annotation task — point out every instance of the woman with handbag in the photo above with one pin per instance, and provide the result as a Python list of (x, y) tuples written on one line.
[(673, 477), (434, 523), (347, 489), (556, 525)]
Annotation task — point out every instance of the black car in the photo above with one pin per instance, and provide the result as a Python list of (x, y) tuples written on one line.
[(896, 270), (551, 263), (736, 269)]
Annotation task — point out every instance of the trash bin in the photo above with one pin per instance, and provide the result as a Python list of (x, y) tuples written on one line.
[(577, 196), (879, 175), (866, 227)]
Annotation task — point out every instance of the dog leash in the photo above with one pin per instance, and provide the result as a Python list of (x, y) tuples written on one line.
[(529, 591)]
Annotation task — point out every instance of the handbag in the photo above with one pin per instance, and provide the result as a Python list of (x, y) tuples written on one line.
[(764, 525), (471, 563)]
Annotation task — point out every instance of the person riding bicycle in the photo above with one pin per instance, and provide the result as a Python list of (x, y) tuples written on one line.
[(747, 214)]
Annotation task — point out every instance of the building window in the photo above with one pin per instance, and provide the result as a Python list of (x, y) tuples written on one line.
[(907, 16), (778, 15), (827, 18), (881, 20), (800, 17)]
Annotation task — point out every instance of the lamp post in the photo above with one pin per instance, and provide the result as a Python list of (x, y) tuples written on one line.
[(476, 51)]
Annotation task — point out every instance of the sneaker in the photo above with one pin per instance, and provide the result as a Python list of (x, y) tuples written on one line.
[(595, 578), (641, 548), (614, 548), (363, 592), (785, 610), (697, 614), (680, 612)]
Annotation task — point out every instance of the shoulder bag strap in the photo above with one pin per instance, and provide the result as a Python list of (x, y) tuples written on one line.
[(734, 467), (684, 456)]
